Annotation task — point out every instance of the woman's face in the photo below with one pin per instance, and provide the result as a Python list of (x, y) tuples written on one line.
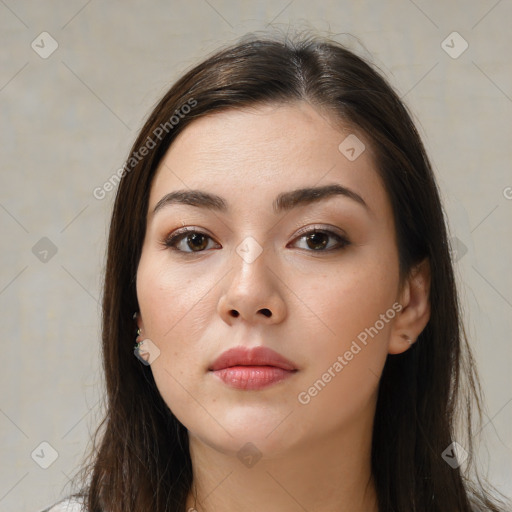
[(249, 273)]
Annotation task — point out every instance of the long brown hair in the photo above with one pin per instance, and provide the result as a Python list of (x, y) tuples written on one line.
[(141, 461)]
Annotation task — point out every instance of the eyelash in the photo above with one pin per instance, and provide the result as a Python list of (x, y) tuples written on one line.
[(171, 240)]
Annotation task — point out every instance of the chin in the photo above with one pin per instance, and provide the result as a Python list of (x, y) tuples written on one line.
[(247, 432)]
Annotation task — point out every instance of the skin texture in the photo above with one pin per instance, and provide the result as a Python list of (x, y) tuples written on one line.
[(315, 455)]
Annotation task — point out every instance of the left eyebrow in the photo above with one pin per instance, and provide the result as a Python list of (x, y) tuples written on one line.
[(284, 201), (302, 196)]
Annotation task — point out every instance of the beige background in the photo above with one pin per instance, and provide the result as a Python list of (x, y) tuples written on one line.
[(68, 122)]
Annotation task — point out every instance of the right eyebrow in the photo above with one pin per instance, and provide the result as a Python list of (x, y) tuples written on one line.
[(193, 198)]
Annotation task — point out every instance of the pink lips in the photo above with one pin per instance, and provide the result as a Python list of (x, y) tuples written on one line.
[(252, 368)]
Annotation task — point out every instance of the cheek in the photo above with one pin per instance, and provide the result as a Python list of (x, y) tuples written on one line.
[(173, 315), (173, 303), (354, 309), (350, 297)]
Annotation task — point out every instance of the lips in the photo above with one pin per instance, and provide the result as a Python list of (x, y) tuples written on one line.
[(252, 368), (256, 356)]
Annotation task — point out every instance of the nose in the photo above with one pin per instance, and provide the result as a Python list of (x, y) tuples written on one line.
[(253, 293)]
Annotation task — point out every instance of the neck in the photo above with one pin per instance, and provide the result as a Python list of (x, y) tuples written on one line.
[(332, 472)]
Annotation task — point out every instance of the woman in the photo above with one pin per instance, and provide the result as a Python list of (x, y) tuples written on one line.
[(279, 253)]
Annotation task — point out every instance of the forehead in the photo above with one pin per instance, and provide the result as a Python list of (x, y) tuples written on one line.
[(263, 151)]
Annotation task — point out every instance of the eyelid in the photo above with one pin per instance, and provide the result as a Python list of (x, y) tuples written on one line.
[(321, 227), (187, 229)]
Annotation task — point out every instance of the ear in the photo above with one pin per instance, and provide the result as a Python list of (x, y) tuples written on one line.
[(138, 318), (415, 313)]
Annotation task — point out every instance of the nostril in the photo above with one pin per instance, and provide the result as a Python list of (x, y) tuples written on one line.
[(234, 312), (266, 312)]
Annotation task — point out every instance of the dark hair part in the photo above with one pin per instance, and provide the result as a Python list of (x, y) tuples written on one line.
[(141, 461)]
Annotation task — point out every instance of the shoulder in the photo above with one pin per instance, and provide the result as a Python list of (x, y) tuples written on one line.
[(67, 505)]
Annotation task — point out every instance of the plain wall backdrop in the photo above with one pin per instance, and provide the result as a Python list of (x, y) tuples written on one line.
[(78, 78)]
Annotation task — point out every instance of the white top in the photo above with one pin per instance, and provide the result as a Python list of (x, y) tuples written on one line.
[(67, 505)]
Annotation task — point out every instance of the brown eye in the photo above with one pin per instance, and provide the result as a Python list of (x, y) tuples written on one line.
[(319, 241), (189, 241), (197, 241)]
